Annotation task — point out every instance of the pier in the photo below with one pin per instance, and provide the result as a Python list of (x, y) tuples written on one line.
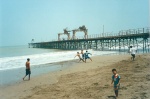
[(105, 41)]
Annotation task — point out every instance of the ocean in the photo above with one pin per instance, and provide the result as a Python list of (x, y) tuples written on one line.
[(15, 57)]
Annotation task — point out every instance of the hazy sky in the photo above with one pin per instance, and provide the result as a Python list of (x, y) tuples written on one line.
[(42, 20)]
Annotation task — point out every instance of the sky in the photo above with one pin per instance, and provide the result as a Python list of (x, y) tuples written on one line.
[(42, 20)]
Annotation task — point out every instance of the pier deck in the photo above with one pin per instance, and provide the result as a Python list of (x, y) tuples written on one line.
[(135, 37)]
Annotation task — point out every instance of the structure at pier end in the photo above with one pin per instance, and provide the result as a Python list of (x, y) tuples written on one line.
[(66, 32), (80, 29)]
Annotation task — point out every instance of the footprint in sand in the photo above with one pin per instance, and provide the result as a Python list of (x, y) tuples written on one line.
[(148, 77), (143, 95)]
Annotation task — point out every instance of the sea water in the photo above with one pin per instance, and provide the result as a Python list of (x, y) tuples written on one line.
[(15, 57)]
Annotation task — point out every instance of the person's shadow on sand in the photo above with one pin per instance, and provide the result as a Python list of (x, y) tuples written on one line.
[(112, 97)]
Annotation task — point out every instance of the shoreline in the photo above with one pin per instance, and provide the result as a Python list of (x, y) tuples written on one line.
[(52, 77), (37, 70), (28, 89), (13, 75)]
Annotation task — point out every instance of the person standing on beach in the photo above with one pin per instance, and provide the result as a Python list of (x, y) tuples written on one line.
[(132, 51), (82, 54), (78, 54), (86, 55), (28, 70), (116, 81)]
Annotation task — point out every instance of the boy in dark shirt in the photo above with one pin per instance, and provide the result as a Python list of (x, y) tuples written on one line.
[(86, 55)]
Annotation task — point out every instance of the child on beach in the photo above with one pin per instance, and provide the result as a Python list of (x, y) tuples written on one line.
[(133, 51), (82, 54), (28, 71), (78, 54), (86, 55), (116, 81)]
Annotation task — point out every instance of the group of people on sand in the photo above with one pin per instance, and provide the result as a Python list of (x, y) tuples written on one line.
[(115, 77), (85, 56)]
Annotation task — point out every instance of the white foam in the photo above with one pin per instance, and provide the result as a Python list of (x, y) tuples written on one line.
[(44, 58)]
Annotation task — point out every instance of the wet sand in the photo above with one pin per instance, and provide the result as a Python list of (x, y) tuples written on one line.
[(12, 76), (89, 80)]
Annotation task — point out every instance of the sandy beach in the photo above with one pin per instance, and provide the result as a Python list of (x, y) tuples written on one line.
[(89, 80)]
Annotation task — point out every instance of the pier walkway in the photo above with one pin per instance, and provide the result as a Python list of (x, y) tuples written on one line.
[(105, 41)]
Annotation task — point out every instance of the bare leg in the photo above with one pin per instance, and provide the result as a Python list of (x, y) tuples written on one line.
[(90, 59), (133, 57), (29, 76), (83, 60), (79, 60), (116, 92), (24, 77)]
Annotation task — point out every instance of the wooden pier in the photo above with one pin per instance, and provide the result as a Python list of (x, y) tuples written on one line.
[(106, 41)]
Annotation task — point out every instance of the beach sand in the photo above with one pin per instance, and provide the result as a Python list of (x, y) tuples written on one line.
[(89, 80)]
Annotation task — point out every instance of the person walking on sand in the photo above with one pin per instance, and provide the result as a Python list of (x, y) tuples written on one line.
[(82, 54), (86, 55), (78, 54), (28, 70), (132, 51), (116, 81)]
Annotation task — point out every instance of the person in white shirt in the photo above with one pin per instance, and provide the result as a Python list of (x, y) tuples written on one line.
[(133, 51)]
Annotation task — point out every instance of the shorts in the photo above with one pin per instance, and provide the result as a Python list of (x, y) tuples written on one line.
[(28, 72), (87, 57), (133, 55), (116, 87), (83, 56)]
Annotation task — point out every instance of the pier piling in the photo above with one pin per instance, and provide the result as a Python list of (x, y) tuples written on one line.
[(132, 37)]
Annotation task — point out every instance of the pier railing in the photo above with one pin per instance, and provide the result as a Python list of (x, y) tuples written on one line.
[(121, 33), (109, 40), (110, 34)]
